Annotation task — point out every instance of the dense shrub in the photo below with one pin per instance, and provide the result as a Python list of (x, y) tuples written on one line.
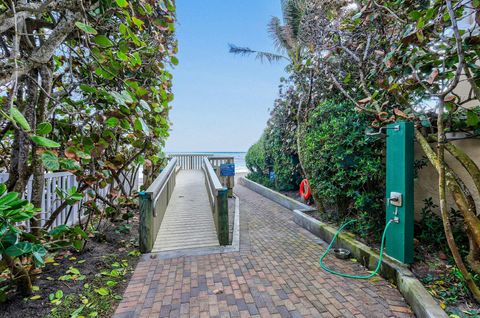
[(345, 166), (255, 160), (273, 160), (281, 146)]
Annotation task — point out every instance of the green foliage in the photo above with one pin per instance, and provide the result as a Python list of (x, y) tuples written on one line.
[(17, 243), (275, 154), (281, 145), (45, 142), (449, 287), (99, 294), (405, 62), (44, 128), (431, 226), (50, 161), (112, 113), (255, 158), (19, 119), (430, 229), (92, 98), (344, 165), (14, 210)]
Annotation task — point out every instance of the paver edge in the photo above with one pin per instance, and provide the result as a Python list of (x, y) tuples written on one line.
[(422, 303)]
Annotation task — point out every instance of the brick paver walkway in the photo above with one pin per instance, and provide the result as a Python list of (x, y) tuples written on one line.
[(275, 274)]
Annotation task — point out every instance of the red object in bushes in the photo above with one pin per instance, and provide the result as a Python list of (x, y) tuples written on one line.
[(305, 191)]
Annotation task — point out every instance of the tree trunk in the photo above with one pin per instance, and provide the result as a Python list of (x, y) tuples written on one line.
[(467, 162), (473, 257), (147, 175), (20, 275), (38, 182), (442, 195), (19, 169), (468, 212), (63, 205), (471, 167)]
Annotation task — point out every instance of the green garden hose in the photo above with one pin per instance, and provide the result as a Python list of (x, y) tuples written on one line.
[(382, 245)]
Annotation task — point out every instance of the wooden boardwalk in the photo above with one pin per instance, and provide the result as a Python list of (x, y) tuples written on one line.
[(188, 220)]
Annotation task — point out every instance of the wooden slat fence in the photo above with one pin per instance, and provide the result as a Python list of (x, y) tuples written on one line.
[(71, 215)]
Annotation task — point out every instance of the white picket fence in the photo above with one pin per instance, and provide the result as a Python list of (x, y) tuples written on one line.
[(70, 215)]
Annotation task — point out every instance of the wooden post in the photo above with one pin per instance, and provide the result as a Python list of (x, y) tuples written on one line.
[(223, 226), (146, 235)]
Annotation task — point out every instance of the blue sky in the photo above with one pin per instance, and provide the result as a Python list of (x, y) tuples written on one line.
[(222, 101)]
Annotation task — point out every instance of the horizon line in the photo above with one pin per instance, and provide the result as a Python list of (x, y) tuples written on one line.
[(206, 151)]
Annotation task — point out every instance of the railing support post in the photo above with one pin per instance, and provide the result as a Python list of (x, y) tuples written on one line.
[(223, 226), (146, 222)]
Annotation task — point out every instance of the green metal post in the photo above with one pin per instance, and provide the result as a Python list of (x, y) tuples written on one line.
[(146, 222), (223, 226), (400, 191)]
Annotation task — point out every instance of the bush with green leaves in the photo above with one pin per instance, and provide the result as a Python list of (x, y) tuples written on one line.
[(14, 210), (276, 151), (345, 165), (281, 145), (21, 251), (96, 100), (429, 230), (255, 158)]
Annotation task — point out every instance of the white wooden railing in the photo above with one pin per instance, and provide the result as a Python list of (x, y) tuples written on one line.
[(190, 161), (70, 215), (219, 160)]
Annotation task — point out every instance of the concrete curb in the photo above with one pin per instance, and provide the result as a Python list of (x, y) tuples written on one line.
[(422, 303), (279, 198), (235, 247)]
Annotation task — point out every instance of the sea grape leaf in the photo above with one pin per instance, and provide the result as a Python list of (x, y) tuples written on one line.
[(45, 142), (19, 119)]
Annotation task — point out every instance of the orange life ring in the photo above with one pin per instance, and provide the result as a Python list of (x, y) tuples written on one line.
[(305, 191)]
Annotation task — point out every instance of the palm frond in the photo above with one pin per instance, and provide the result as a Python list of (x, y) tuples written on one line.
[(293, 12), (259, 55), (278, 34)]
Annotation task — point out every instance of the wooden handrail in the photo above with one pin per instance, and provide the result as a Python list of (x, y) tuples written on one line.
[(158, 183), (211, 175), (218, 197), (227, 181), (153, 204)]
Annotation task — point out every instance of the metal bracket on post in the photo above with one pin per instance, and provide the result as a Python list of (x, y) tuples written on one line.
[(400, 156)]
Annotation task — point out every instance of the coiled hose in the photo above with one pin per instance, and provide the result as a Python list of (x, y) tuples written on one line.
[(382, 246)]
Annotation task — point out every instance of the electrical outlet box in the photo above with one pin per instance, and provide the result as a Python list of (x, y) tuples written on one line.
[(395, 199)]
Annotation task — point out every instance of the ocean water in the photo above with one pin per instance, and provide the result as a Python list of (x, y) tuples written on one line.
[(238, 157)]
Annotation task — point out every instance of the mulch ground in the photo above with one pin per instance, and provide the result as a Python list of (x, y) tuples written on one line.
[(98, 256)]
